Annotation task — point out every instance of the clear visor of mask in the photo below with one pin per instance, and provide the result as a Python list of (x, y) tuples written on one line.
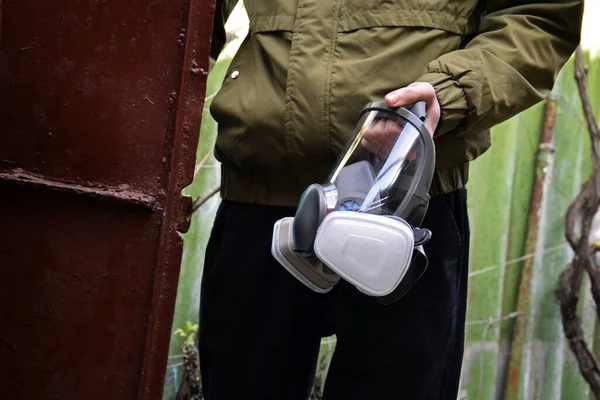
[(381, 165)]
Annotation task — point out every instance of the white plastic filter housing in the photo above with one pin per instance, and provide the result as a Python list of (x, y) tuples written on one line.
[(372, 252), (311, 274)]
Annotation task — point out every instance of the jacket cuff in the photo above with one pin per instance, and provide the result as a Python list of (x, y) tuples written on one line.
[(452, 99)]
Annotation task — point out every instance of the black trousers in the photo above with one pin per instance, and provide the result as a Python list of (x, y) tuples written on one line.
[(260, 328)]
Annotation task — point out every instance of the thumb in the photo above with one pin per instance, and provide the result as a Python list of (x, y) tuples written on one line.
[(418, 91)]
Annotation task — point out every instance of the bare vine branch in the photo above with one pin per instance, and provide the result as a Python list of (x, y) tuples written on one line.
[(581, 214), (198, 202), (203, 161)]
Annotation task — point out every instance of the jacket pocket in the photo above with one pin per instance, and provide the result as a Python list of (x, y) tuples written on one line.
[(261, 23), (248, 106), (455, 16)]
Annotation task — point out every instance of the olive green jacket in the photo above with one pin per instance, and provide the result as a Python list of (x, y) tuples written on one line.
[(293, 91)]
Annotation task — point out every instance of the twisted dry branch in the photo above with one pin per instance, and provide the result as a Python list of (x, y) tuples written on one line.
[(581, 213)]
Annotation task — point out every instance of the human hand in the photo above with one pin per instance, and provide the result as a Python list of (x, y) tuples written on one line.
[(418, 91), (381, 136)]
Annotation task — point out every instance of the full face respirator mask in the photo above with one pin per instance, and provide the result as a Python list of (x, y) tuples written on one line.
[(363, 223)]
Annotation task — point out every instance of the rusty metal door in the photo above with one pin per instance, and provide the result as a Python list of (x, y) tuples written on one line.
[(100, 108)]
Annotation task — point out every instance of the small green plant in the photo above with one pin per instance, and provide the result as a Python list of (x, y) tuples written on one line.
[(188, 334), (191, 385)]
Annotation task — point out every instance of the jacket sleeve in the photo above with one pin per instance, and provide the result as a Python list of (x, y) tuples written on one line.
[(219, 38), (509, 65)]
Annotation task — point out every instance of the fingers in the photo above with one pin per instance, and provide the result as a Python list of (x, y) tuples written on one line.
[(383, 129), (418, 91), (380, 137)]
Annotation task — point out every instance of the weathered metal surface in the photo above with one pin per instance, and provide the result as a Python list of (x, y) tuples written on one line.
[(119, 194), (207, 177), (98, 101), (74, 295)]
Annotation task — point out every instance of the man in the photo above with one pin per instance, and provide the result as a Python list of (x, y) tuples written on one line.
[(287, 106)]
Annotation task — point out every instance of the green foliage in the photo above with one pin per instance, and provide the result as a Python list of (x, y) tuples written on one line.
[(187, 335)]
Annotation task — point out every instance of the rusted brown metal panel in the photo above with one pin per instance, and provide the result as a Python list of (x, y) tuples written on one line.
[(75, 295), (100, 107)]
